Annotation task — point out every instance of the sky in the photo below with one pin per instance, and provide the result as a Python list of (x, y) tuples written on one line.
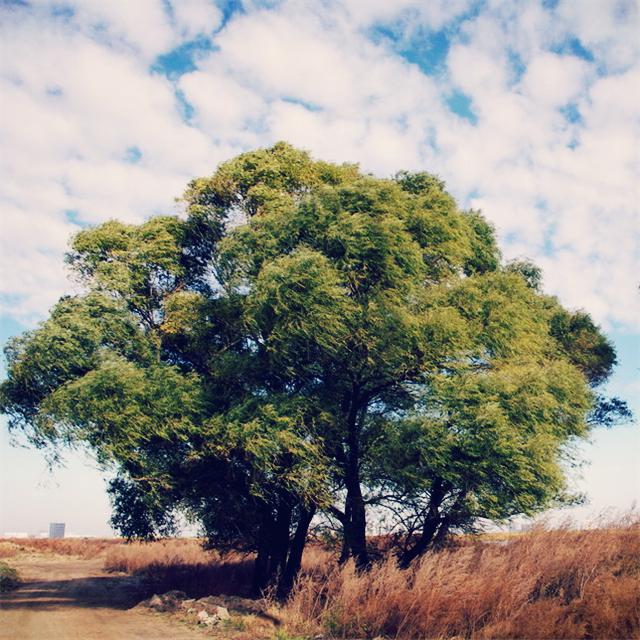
[(529, 110)]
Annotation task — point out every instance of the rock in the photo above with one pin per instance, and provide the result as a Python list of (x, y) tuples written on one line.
[(206, 618), (172, 600), (174, 595), (169, 601), (233, 603), (187, 604), (222, 613)]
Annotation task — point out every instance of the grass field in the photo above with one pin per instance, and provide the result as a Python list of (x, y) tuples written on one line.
[(546, 583)]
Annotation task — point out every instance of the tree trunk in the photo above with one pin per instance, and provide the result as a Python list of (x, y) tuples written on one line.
[(261, 566), (273, 548), (280, 542), (440, 537), (355, 529), (345, 553), (296, 548), (450, 518), (344, 519), (430, 526), (356, 526), (426, 536)]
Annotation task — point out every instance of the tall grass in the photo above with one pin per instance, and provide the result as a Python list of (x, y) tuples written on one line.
[(8, 549), (183, 564), (80, 547), (543, 584), (546, 583)]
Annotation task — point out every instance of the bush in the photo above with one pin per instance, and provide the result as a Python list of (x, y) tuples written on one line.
[(9, 578)]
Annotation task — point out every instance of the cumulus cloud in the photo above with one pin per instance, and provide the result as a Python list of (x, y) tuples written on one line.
[(609, 29), (553, 80), (195, 18), (93, 125)]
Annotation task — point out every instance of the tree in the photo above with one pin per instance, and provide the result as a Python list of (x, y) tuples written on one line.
[(310, 339), (490, 438)]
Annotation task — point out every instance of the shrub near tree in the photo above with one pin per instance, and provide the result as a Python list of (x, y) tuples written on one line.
[(310, 339)]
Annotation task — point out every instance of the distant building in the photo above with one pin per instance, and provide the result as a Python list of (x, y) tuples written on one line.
[(56, 530), (16, 534)]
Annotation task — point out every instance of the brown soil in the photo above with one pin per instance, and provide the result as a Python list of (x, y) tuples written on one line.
[(64, 598)]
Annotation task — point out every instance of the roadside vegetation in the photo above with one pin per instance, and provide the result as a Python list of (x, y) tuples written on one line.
[(9, 578), (545, 583), (541, 584), (79, 547), (184, 565)]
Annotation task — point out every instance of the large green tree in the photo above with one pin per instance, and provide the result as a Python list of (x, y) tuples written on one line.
[(311, 339)]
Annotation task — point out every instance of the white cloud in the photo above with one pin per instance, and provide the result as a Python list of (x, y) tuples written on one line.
[(561, 192), (142, 26), (221, 103), (434, 14), (608, 28), (71, 107), (286, 57), (553, 80), (195, 17), (78, 92)]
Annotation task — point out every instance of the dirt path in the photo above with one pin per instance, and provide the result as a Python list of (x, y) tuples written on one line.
[(68, 599)]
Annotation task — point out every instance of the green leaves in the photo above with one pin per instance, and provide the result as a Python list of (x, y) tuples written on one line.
[(299, 308), (273, 440), (140, 264), (583, 344), (65, 347), (119, 408), (505, 318), (496, 435)]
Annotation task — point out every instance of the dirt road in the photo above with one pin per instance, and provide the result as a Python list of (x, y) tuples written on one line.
[(71, 599)]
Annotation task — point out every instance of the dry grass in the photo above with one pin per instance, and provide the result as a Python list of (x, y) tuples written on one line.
[(560, 583), (137, 556), (80, 547), (183, 564), (9, 549), (542, 584)]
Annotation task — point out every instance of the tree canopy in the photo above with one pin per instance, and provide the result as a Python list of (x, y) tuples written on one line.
[(308, 340)]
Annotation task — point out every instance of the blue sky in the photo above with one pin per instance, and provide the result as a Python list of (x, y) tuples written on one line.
[(528, 110)]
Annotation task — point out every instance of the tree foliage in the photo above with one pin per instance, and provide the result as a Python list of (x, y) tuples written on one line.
[(310, 339)]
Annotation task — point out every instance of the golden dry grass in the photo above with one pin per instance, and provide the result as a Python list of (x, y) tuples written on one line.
[(8, 549), (543, 584), (137, 556), (80, 547), (183, 564)]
